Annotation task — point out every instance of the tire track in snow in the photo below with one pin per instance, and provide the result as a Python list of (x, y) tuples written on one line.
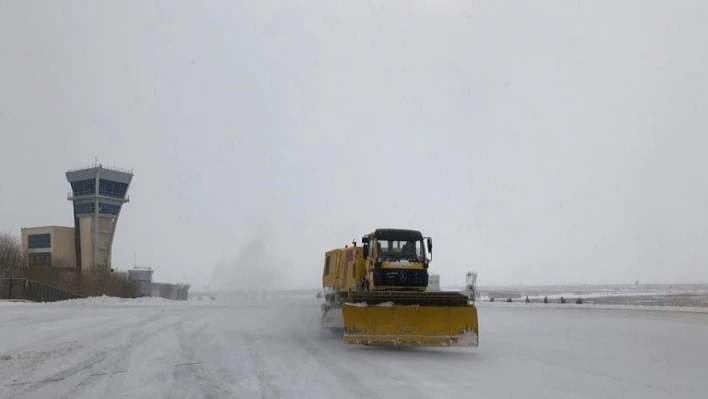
[(269, 390), (191, 372), (78, 329), (343, 375), (85, 361), (118, 364), (33, 386), (369, 360), (78, 334)]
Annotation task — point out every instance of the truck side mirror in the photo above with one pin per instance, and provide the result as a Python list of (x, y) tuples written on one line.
[(365, 240), (366, 250), (430, 245)]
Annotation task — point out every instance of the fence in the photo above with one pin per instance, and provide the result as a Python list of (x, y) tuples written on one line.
[(22, 288), (109, 284)]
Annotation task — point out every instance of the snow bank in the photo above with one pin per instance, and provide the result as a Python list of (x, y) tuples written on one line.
[(573, 305), (109, 300), (5, 302), (357, 304), (382, 304)]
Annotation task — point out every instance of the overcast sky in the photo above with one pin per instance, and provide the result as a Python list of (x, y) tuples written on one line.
[(536, 142)]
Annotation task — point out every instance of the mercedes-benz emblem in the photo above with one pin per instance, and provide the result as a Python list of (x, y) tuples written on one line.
[(402, 276)]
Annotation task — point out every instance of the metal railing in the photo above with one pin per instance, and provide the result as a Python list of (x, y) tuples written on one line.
[(30, 290), (89, 194), (102, 166)]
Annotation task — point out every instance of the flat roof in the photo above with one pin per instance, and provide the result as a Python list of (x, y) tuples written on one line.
[(47, 227), (105, 173), (402, 233)]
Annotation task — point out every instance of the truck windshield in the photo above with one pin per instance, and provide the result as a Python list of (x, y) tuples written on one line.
[(400, 249)]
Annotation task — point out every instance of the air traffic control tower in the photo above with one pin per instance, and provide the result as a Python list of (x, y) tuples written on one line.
[(98, 194)]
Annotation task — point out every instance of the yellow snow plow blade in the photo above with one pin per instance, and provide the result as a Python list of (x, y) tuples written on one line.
[(386, 324)]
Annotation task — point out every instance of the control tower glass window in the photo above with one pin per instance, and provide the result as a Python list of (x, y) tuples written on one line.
[(108, 209), (84, 187), (111, 188), (84, 207)]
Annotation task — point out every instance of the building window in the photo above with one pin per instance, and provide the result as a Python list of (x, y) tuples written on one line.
[(111, 188), (108, 209), (84, 187), (40, 259), (39, 241), (84, 207)]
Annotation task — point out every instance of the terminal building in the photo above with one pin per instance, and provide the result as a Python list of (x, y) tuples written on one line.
[(146, 287), (98, 194)]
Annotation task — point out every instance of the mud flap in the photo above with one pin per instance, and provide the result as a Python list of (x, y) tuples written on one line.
[(332, 318), (402, 325)]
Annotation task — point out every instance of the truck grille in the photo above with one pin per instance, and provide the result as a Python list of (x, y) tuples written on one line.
[(401, 278)]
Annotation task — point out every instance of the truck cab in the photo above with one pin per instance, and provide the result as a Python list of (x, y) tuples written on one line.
[(396, 259)]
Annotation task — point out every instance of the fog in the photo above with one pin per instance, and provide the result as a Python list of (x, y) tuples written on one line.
[(537, 143), (255, 266)]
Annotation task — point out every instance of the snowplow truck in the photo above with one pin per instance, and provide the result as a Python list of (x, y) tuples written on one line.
[(376, 293)]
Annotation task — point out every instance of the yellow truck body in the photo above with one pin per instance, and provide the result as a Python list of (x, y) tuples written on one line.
[(377, 294)]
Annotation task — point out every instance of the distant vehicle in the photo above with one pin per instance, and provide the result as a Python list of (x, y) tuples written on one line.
[(471, 285), (433, 283)]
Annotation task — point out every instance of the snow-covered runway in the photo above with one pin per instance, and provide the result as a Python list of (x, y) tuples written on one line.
[(270, 346)]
